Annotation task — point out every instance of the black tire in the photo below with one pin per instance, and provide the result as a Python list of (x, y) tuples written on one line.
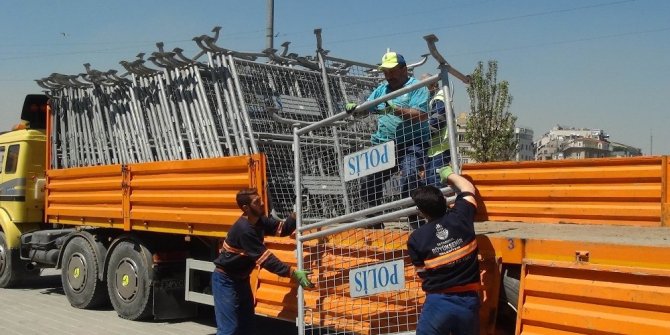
[(129, 280), (511, 283), (80, 275), (9, 272)]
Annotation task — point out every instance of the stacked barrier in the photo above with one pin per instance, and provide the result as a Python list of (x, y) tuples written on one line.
[(169, 107)]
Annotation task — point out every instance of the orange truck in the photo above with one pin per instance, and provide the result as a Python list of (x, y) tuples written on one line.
[(578, 246), (133, 215)]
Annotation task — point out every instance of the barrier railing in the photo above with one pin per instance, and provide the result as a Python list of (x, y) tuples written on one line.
[(365, 283)]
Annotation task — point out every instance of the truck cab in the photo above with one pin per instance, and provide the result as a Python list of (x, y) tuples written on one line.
[(22, 171)]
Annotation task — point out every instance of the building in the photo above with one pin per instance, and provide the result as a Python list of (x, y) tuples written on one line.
[(584, 147), (623, 150), (580, 143), (525, 146), (524, 135), (463, 145)]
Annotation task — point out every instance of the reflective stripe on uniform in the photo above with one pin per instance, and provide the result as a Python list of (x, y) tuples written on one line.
[(231, 249), (263, 257), (280, 226), (451, 257)]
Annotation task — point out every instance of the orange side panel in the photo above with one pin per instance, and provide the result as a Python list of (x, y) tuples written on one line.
[(195, 197), (581, 298), (665, 197), (190, 197), (625, 191), (85, 196)]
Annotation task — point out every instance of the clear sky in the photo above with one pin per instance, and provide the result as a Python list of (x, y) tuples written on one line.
[(584, 63)]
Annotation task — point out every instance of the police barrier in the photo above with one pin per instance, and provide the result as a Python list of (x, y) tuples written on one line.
[(365, 283)]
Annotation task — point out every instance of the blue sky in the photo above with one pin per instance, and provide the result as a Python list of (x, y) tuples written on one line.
[(585, 63)]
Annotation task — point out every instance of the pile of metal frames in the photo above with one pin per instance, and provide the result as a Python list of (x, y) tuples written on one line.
[(168, 106)]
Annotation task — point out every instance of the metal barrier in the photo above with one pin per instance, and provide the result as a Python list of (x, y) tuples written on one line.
[(365, 283), (235, 103)]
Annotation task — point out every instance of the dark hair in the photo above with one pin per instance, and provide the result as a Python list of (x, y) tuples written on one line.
[(244, 196), (430, 201)]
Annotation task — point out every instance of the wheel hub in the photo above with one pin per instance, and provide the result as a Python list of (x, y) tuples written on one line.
[(126, 279), (76, 272)]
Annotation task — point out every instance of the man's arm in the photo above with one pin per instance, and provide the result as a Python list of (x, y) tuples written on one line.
[(410, 113), (279, 228), (417, 108), (463, 185), (263, 257)]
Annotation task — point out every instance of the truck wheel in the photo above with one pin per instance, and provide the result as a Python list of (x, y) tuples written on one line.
[(511, 283), (9, 274), (80, 274), (129, 281)]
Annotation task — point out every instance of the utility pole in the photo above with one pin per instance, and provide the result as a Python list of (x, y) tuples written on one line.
[(270, 24), (651, 142)]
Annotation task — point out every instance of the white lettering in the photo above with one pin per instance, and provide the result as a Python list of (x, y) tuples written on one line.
[(368, 161), (377, 278)]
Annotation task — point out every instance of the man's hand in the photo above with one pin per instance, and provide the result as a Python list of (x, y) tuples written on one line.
[(386, 107), (444, 173), (350, 106), (301, 276)]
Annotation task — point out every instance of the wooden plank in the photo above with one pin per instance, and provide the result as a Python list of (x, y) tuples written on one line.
[(589, 175), (624, 192), (665, 197), (584, 298), (626, 161)]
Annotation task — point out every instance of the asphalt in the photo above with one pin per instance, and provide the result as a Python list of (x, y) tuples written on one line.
[(40, 307)]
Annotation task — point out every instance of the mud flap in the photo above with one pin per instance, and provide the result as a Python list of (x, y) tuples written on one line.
[(168, 299)]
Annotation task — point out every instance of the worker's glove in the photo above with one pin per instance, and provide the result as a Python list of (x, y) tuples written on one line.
[(386, 107), (350, 106), (444, 173), (301, 276)]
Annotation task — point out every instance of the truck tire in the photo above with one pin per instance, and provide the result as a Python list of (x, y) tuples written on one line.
[(129, 280), (9, 272), (80, 275), (511, 283)]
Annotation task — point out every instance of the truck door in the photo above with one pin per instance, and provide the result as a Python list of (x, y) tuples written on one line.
[(13, 182), (2, 172)]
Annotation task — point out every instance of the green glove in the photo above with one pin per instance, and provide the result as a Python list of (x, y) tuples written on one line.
[(301, 276), (386, 107), (444, 173), (350, 106)]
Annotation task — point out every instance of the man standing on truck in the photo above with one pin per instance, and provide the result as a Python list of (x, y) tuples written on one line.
[(444, 252), (403, 120), (241, 252)]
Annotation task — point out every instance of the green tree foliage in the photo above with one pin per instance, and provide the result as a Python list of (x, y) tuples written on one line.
[(490, 127)]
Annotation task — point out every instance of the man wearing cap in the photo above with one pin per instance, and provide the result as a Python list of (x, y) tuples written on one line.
[(403, 120)]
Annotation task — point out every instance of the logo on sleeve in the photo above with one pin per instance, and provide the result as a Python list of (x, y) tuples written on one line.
[(441, 232)]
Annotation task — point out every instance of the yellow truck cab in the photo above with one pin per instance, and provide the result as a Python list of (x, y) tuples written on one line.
[(22, 159)]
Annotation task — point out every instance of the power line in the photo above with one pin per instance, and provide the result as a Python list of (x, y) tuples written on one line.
[(495, 20), (531, 46), (80, 52), (473, 23)]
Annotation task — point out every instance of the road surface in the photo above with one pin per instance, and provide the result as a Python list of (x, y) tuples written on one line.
[(40, 307)]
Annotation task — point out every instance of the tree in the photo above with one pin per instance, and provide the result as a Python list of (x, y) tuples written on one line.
[(490, 127)]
